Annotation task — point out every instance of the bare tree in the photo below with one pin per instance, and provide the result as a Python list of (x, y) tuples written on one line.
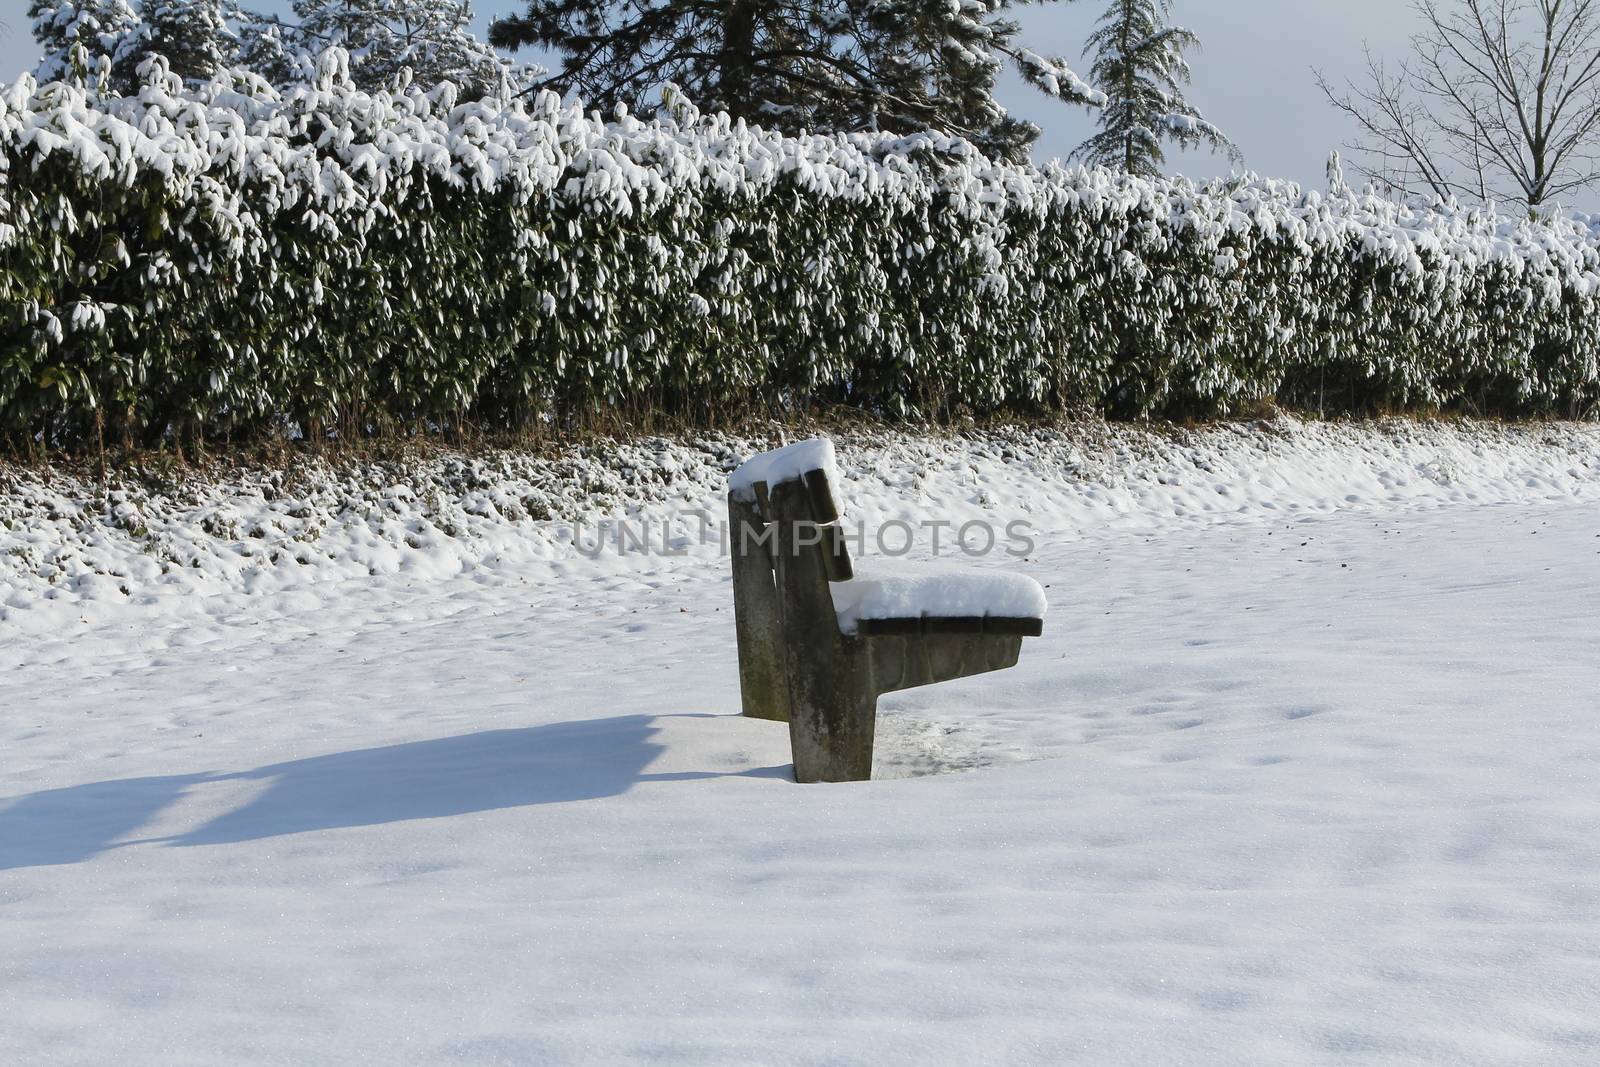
[(1498, 99)]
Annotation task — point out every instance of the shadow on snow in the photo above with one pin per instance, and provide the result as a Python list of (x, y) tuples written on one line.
[(550, 764)]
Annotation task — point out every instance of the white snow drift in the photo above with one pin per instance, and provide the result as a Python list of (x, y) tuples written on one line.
[(1302, 771)]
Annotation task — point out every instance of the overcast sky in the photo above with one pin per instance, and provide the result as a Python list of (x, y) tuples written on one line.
[(1253, 77)]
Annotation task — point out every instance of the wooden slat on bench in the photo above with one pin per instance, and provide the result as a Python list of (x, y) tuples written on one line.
[(836, 555), (835, 552), (1023, 627), (888, 627), (951, 624), (763, 502), (824, 508)]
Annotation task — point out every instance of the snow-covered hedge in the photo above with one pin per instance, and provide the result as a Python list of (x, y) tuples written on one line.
[(236, 259)]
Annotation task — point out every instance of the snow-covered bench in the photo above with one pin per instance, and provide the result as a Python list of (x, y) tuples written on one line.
[(818, 644)]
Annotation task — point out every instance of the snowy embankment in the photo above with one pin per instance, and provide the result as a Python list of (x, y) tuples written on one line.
[(1304, 770), (71, 548)]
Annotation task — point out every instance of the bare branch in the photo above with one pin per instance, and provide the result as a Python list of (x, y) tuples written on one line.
[(1498, 99)]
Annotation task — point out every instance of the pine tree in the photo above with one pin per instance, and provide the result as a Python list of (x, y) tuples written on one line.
[(193, 35), (430, 37), (1139, 65), (892, 65), (102, 27), (271, 49), (1337, 186), (200, 37)]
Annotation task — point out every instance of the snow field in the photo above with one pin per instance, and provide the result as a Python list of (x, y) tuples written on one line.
[(1290, 778)]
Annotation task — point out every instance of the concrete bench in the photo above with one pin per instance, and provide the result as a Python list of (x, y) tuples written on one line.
[(818, 644)]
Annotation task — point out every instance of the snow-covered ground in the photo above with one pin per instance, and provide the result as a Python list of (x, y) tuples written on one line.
[(1306, 769)]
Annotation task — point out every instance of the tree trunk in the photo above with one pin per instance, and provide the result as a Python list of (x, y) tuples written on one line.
[(736, 60)]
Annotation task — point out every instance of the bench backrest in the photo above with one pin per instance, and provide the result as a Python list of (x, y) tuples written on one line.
[(795, 487)]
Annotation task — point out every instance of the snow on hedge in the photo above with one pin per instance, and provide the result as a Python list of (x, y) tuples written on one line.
[(236, 258)]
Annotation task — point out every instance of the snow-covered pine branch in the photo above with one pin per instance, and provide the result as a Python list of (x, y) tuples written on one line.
[(892, 66), (1140, 68), (385, 38), (101, 27)]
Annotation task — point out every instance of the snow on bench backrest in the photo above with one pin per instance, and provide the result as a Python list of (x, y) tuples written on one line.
[(785, 464), (812, 464)]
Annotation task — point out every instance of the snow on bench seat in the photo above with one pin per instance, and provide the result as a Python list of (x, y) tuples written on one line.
[(783, 464), (887, 593)]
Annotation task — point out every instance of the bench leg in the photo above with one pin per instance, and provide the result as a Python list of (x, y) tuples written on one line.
[(763, 689), (832, 705), (832, 718)]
